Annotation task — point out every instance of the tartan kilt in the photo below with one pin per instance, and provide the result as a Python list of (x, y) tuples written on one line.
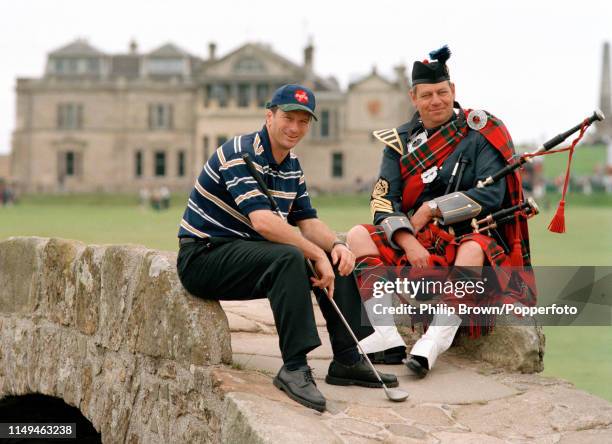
[(442, 247)]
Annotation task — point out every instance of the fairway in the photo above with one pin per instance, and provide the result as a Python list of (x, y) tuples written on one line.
[(580, 354)]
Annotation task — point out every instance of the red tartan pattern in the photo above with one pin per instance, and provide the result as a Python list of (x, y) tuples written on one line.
[(437, 149), (443, 247)]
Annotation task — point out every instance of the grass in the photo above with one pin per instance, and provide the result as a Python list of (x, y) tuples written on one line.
[(583, 163), (579, 354)]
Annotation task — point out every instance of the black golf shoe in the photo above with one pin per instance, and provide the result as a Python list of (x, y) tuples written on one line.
[(300, 386), (418, 365), (390, 356), (357, 374)]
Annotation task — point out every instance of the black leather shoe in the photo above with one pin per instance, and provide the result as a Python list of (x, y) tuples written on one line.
[(357, 374), (390, 356), (418, 365), (300, 386)]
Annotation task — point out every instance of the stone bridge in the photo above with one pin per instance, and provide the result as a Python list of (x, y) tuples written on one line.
[(110, 331)]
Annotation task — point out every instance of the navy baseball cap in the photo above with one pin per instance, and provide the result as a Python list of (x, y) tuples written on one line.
[(294, 98)]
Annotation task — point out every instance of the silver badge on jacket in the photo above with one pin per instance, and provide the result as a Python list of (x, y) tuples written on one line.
[(477, 119), (416, 141), (429, 175)]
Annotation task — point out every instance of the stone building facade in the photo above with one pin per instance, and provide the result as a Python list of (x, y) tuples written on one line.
[(5, 168), (120, 122)]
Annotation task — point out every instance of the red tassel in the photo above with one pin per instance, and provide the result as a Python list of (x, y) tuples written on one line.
[(557, 224), (516, 255)]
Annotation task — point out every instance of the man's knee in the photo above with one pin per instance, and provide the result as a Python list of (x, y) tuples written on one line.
[(470, 253), (290, 253), (360, 241)]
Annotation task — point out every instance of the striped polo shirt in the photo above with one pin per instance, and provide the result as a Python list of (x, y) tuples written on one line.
[(225, 192)]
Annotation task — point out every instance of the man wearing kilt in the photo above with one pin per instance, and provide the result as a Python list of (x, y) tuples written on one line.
[(424, 200)]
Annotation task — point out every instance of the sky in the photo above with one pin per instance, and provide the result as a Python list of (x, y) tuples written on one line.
[(534, 64)]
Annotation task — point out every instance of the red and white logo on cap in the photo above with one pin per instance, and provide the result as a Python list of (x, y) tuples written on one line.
[(301, 96)]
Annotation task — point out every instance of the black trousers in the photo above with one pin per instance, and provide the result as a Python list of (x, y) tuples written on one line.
[(236, 269)]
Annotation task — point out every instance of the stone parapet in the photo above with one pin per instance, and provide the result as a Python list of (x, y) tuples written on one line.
[(110, 330)]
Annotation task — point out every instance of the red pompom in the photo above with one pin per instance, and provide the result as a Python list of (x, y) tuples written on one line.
[(426, 62)]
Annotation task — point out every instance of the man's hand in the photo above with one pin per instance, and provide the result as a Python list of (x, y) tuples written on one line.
[(421, 218), (325, 274), (417, 254), (343, 258)]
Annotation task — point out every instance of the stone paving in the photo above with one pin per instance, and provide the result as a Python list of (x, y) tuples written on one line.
[(459, 401)]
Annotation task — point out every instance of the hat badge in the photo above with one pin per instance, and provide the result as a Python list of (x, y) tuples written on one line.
[(301, 96)]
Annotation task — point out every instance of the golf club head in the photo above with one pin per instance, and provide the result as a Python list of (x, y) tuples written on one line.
[(395, 394)]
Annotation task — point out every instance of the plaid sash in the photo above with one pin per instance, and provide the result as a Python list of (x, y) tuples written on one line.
[(431, 153), (437, 149)]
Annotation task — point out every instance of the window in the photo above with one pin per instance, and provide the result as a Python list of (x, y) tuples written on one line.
[(244, 95), (337, 165), (263, 93), (160, 163), (221, 139), (180, 164), (138, 161), (208, 95), (222, 94), (205, 147), (248, 65), (324, 124), (70, 116), (72, 65), (160, 116), (69, 164), (165, 66), (93, 66)]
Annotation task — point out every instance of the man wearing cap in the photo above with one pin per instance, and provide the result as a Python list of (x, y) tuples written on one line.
[(233, 247), (430, 169)]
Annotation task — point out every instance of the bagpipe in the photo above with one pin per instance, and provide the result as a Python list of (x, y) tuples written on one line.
[(546, 147), (526, 209), (529, 209)]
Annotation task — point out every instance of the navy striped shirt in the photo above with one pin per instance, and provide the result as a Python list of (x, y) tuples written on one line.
[(225, 192)]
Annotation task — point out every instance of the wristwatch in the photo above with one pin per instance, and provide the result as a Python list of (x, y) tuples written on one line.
[(433, 206), (339, 242)]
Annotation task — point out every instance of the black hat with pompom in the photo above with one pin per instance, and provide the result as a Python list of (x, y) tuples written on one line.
[(434, 71)]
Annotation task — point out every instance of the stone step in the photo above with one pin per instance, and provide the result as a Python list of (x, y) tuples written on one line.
[(446, 384)]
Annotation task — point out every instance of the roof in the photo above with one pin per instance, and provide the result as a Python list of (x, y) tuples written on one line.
[(79, 47), (169, 50), (320, 83), (373, 75)]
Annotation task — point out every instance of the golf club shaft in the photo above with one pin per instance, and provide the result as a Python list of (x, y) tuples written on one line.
[(346, 324)]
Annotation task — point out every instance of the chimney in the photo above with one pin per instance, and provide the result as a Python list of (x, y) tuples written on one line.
[(133, 47), (308, 57), (212, 49), (309, 77), (402, 80)]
